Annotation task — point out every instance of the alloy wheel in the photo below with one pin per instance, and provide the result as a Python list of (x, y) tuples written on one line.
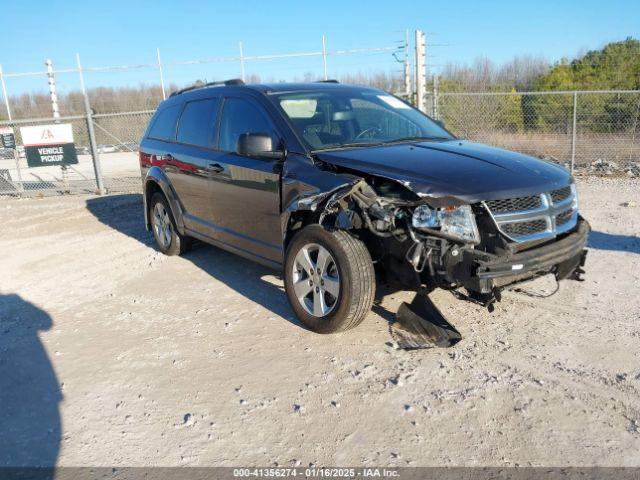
[(316, 281), (162, 225)]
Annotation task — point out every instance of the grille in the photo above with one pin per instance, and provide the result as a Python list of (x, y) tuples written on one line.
[(563, 217), (520, 229), (515, 204), (535, 217), (561, 194)]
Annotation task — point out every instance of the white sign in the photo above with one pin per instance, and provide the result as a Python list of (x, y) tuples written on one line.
[(56, 134)]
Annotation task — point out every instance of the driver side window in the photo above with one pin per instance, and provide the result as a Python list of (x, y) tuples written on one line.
[(238, 117)]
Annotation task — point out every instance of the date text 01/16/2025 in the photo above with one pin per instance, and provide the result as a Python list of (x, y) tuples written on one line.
[(313, 472)]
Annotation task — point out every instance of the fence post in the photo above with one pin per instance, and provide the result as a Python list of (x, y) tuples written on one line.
[(164, 95), (324, 57), (92, 136), (4, 94), (573, 130), (16, 157)]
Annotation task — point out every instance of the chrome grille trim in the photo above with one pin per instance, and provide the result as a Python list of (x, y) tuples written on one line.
[(556, 214)]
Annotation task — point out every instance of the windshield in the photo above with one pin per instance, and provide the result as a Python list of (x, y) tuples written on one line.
[(352, 117)]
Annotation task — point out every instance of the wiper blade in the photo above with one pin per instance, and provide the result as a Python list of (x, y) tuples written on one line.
[(348, 145), (377, 144), (414, 139)]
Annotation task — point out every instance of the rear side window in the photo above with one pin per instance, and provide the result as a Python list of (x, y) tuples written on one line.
[(196, 126), (164, 126)]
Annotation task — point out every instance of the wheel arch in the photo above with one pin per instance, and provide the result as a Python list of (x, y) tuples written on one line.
[(156, 181)]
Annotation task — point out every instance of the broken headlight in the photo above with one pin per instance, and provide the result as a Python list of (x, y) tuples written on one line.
[(458, 222)]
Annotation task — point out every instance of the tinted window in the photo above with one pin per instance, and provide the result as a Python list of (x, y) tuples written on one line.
[(164, 125), (238, 117), (197, 122)]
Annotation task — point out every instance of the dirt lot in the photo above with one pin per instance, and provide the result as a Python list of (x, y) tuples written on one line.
[(112, 354)]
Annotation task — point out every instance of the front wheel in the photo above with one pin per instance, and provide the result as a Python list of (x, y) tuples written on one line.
[(329, 279)]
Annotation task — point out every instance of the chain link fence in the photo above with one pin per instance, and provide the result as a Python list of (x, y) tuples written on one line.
[(117, 137), (17, 179), (589, 132), (596, 133)]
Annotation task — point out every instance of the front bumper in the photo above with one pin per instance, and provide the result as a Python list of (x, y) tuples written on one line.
[(481, 271)]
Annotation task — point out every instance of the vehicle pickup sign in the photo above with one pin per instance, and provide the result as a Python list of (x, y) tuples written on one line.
[(47, 145)]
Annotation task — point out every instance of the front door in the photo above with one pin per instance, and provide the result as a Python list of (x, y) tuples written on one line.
[(245, 190)]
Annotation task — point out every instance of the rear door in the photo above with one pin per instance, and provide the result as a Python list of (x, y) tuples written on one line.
[(246, 190), (187, 166)]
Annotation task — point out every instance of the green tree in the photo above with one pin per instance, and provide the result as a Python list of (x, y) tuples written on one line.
[(510, 114), (614, 67)]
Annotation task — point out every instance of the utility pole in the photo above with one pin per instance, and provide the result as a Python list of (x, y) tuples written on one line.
[(53, 94), (164, 94), (435, 97), (324, 57), (4, 94), (241, 61), (407, 68), (420, 73)]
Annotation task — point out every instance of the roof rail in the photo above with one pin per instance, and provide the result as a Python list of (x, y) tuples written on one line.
[(327, 81), (195, 86)]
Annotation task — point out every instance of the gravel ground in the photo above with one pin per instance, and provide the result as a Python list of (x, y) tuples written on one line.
[(113, 354)]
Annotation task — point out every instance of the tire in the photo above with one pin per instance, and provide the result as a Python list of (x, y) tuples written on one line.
[(163, 225), (349, 264)]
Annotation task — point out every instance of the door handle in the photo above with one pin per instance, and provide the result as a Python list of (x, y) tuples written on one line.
[(216, 168)]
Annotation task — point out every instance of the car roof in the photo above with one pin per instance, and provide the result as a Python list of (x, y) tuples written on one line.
[(264, 88), (305, 87)]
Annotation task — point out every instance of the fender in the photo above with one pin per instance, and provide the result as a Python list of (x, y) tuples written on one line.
[(155, 176), (305, 188)]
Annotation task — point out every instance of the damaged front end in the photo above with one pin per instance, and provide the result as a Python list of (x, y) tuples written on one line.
[(423, 242)]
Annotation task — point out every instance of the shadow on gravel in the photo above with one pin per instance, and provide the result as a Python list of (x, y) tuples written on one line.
[(124, 213), (613, 242), (30, 430)]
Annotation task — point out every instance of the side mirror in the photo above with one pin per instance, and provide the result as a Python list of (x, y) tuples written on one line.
[(440, 123), (257, 145)]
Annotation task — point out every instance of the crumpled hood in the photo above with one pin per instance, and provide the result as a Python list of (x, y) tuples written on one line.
[(468, 171)]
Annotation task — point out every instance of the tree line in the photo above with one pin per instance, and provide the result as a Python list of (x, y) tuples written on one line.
[(615, 66)]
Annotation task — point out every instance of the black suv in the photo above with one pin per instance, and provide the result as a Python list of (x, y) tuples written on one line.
[(336, 184)]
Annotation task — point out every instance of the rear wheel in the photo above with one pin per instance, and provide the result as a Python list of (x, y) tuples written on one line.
[(329, 279), (168, 239)]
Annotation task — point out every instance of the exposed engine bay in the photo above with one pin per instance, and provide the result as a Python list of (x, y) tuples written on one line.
[(423, 243)]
